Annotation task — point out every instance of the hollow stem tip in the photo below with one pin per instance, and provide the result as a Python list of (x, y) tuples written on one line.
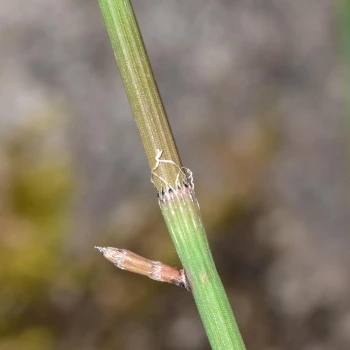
[(156, 270)]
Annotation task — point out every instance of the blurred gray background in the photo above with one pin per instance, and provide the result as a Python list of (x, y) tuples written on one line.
[(254, 94)]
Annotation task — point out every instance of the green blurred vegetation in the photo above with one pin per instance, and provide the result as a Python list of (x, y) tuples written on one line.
[(36, 185)]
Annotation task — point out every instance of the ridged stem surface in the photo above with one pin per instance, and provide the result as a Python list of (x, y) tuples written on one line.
[(182, 216), (175, 189), (141, 88)]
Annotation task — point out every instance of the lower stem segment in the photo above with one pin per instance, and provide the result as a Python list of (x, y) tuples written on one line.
[(182, 216)]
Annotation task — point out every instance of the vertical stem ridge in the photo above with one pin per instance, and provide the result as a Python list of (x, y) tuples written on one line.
[(182, 216), (141, 87)]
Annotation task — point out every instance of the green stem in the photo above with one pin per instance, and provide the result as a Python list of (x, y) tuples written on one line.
[(141, 87), (182, 216), (175, 190)]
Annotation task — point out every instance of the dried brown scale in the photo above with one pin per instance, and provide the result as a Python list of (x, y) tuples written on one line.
[(156, 270)]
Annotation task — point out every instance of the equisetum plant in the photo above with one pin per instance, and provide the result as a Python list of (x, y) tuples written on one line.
[(174, 184)]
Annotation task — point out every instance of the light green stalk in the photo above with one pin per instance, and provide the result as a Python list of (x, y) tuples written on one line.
[(175, 190), (182, 216)]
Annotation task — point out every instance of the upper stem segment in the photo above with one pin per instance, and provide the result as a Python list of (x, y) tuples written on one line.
[(141, 89)]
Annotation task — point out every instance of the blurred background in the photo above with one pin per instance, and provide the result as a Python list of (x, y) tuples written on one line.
[(255, 95)]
